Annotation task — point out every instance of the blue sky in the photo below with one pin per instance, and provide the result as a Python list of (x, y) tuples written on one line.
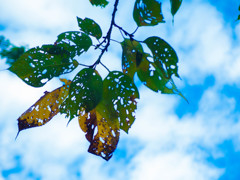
[(170, 139)]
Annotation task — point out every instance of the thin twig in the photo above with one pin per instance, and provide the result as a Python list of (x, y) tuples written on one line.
[(108, 36)]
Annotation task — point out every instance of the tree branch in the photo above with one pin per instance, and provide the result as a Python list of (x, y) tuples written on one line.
[(107, 38)]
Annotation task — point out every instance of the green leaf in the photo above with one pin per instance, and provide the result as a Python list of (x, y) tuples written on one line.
[(147, 13), (116, 110), (75, 42), (164, 56), (175, 5), (90, 27), (119, 94), (102, 3), (85, 92), (10, 51), (131, 56), (39, 65), (153, 77)]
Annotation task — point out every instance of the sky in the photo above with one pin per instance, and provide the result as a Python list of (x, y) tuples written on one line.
[(170, 139)]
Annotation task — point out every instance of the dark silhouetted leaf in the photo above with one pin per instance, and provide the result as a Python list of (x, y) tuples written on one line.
[(175, 5), (102, 3), (39, 65), (147, 12), (85, 92), (44, 109), (164, 55), (119, 94), (131, 56), (90, 27), (75, 42)]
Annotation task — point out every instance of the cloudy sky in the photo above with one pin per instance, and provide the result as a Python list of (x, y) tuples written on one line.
[(170, 139)]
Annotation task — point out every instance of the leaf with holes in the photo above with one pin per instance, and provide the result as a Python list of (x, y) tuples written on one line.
[(90, 27), (164, 55), (115, 111), (119, 93), (39, 65), (44, 109), (101, 131), (102, 3), (75, 42), (154, 77), (147, 13), (131, 56), (175, 5), (85, 92)]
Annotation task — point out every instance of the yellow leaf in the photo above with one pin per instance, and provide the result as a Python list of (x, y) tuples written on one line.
[(44, 109), (101, 132)]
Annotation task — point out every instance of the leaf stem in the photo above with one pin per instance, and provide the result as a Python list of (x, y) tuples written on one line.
[(107, 38)]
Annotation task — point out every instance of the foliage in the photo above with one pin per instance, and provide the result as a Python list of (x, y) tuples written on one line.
[(239, 14), (10, 51), (103, 106)]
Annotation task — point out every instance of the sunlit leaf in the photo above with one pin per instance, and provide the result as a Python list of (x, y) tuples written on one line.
[(152, 76), (44, 109), (131, 56), (39, 65), (101, 132), (90, 27), (175, 5), (114, 112), (75, 42), (147, 12), (164, 55), (119, 94), (85, 92), (102, 3)]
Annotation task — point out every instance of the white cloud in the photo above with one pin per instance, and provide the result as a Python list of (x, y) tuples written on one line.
[(170, 147)]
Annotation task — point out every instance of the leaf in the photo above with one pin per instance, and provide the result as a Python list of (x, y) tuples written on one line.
[(175, 5), (10, 51), (39, 65), (102, 3), (90, 27), (147, 13), (119, 94), (85, 92), (115, 111), (131, 56), (44, 109), (75, 42), (153, 77), (164, 55), (101, 132)]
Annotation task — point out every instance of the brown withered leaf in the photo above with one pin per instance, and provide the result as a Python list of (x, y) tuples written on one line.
[(44, 109), (101, 131)]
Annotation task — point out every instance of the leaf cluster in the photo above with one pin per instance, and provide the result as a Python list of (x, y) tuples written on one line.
[(103, 106), (9, 51)]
